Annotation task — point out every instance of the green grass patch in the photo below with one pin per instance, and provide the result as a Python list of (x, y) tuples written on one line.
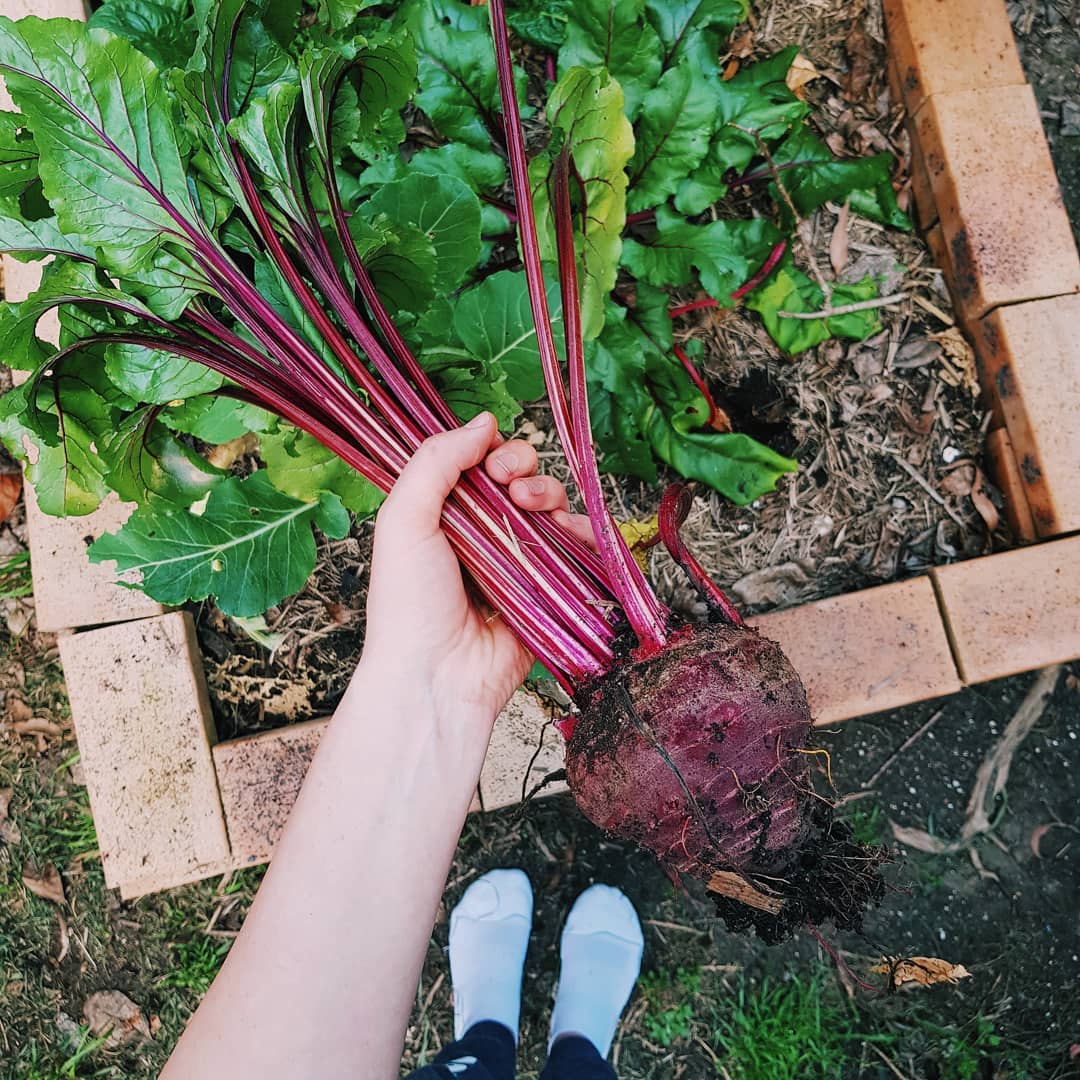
[(670, 998), (800, 1028)]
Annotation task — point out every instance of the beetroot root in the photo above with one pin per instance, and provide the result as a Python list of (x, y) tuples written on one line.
[(698, 753)]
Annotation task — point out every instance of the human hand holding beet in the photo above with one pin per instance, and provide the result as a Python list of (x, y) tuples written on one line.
[(425, 627)]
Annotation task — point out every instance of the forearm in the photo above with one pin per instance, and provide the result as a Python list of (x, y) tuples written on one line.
[(322, 978)]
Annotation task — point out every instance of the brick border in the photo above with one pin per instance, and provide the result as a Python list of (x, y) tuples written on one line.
[(180, 806)]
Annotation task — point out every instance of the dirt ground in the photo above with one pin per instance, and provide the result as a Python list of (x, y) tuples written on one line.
[(710, 1003)]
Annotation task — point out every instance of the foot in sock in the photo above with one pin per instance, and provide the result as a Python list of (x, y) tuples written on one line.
[(601, 952), (489, 935)]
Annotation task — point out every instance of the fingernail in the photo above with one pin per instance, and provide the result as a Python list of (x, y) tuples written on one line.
[(535, 485), (508, 462), (480, 420)]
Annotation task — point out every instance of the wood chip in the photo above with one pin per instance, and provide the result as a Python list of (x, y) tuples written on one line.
[(729, 884), (111, 1013), (838, 242)]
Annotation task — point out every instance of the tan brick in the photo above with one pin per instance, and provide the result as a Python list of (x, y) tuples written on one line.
[(507, 771), (997, 198), (1029, 356), (144, 728), (260, 776), (1013, 612), (867, 651), (942, 46), (1005, 473), (69, 590)]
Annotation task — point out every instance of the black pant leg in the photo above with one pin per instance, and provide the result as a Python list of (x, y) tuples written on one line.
[(485, 1052), (575, 1058)]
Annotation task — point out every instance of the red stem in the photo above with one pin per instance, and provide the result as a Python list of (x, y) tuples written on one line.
[(698, 381), (766, 269), (674, 506)]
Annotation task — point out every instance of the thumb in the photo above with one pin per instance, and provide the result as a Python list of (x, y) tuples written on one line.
[(415, 503)]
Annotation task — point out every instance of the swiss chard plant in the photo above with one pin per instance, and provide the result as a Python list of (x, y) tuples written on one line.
[(300, 224)]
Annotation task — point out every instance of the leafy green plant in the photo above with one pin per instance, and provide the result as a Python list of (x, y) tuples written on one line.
[(237, 213), (670, 998)]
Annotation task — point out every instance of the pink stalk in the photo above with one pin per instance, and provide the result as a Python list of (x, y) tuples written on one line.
[(645, 613), (767, 268)]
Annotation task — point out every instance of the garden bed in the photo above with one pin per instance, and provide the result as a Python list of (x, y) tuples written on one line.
[(889, 432)]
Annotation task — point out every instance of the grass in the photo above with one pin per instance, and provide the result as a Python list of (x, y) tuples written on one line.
[(867, 822), (799, 1028), (670, 1003), (15, 580)]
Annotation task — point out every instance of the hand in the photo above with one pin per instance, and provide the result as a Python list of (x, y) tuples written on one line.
[(423, 627)]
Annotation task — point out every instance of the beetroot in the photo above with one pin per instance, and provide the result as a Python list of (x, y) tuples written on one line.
[(698, 754)]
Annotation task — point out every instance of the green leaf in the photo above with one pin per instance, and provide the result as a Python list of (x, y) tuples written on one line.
[(542, 22), (694, 29), (618, 400), (18, 158), (482, 170), (63, 282), (672, 134), (157, 377), (791, 290), (215, 418), (48, 67), (613, 34), (266, 132), (725, 253), (444, 210), (494, 324), (145, 461), (821, 177), (250, 547), (756, 103), (342, 13), (163, 30), (586, 109), (68, 472), (302, 467), (459, 88), (736, 465), (401, 260)]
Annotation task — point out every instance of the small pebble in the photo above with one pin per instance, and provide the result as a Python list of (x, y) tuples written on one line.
[(950, 454)]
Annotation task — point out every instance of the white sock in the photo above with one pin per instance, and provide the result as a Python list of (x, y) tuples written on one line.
[(489, 935), (601, 952)]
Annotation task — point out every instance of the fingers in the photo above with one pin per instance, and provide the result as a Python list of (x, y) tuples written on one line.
[(539, 493), (510, 461), (415, 503), (577, 524)]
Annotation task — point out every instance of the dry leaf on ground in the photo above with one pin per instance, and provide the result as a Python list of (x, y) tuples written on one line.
[(801, 72), (775, 585), (225, 455), (861, 55), (113, 1012), (10, 487), (920, 971), (47, 884), (983, 503), (17, 710), (962, 370), (639, 536), (37, 725)]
